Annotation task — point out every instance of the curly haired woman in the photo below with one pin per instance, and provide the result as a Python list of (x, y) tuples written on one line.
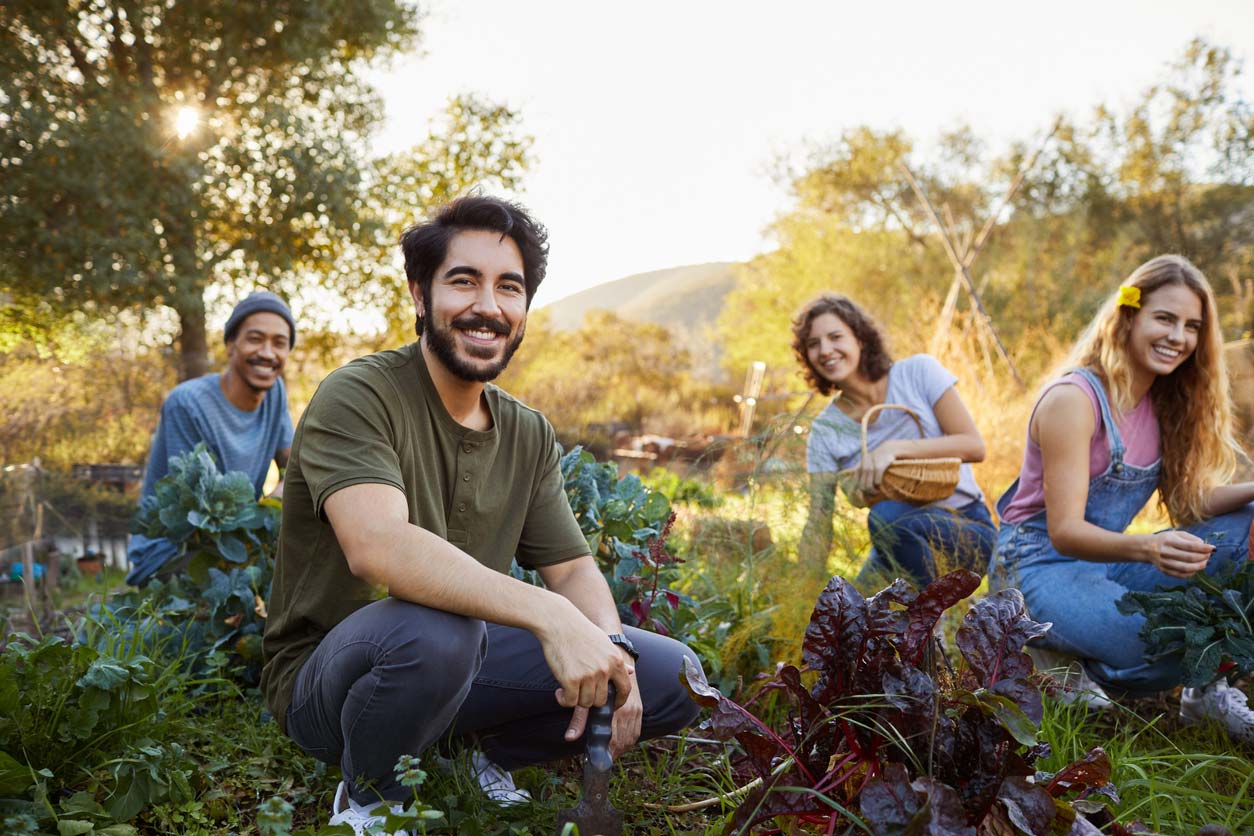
[(842, 351), (1146, 408)]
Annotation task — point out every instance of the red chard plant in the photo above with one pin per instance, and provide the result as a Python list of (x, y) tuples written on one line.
[(887, 739)]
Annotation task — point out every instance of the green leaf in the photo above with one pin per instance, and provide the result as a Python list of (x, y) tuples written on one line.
[(1005, 710), (232, 549), (15, 776), (105, 674), (73, 827)]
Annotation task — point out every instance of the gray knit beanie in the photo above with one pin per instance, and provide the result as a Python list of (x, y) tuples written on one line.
[(256, 302)]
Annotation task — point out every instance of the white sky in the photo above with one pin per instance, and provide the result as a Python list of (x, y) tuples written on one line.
[(655, 122)]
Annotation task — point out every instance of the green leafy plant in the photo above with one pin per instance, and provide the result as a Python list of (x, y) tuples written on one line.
[(626, 525), (207, 514), (680, 489), (226, 543), (1206, 622), (80, 733)]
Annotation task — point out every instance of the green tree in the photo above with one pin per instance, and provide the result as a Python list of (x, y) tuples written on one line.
[(1174, 173), (105, 206)]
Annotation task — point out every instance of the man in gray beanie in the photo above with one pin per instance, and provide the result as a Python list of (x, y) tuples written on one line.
[(240, 415)]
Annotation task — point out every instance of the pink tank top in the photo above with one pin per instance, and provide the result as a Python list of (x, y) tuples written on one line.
[(1138, 429)]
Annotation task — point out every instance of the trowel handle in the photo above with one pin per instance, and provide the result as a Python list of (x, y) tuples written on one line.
[(597, 735)]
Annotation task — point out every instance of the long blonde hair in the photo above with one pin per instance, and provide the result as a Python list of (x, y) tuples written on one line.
[(1192, 403)]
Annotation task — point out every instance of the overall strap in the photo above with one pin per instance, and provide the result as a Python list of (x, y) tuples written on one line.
[(1113, 438)]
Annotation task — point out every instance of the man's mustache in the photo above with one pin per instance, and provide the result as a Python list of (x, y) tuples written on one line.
[(480, 323)]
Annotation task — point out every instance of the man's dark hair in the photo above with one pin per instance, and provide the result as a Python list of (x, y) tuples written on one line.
[(425, 244), (875, 360)]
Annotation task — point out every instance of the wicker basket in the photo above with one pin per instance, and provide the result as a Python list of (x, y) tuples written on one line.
[(917, 481)]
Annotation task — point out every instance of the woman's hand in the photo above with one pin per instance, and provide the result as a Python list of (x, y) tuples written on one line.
[(1178, 553), (871, 468)]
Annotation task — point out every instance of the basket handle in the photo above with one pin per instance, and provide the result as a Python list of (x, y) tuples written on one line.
[(866, 420)]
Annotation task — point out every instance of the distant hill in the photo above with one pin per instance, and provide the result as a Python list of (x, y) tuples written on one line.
[(678, 296), (685, 300)]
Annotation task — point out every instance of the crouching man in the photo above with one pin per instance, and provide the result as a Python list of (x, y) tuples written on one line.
[(412, 483)]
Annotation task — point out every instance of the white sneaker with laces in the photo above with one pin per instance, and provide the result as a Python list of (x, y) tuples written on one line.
[(1074, 683), (361, 818), (1221, 702), (497, 784)]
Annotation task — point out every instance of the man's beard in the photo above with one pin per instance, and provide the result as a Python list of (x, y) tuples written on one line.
[(443, 345)]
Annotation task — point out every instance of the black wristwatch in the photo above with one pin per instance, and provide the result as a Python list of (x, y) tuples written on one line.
[(625, 643)]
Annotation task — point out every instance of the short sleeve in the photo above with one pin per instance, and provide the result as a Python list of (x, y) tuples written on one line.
[(178, 426), (550, 532), (835, 442), (347, 437), (819, 455), (931, 379)]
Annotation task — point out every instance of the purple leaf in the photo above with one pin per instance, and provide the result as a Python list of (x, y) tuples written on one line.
[(699, 688), (1029, 807), (991, 639), (888, 802), (892, 806), (926, 609), (910, 691), (837, 628), (883, 616), (811, 710), (942, 813), (1092, 770)]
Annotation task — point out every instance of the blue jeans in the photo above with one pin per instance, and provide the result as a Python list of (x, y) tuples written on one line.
[(1079, 597), (906, 540)]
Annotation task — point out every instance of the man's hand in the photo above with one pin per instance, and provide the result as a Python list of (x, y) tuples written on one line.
[(584, 661), (627, 721)]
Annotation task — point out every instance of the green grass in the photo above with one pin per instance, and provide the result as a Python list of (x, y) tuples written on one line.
[(1171, 777)]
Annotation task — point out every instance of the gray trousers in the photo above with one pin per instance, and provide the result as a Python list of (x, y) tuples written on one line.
[(395, 677)]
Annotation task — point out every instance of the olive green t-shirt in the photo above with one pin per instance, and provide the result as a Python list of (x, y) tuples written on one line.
[(494, 494)]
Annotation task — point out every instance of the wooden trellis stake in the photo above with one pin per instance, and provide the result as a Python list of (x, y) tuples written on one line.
[(962, 272), (970, 250), (748, 400)]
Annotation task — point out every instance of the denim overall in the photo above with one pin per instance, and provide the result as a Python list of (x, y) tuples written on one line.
[(1079, 596)]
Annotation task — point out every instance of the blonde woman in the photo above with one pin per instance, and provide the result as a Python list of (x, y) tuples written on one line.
[(1146, 408), (842, 353)]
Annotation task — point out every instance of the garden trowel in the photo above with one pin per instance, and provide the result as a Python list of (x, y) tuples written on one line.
[(594, 815)]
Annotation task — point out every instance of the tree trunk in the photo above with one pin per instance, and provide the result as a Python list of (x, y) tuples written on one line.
[(193, 343)]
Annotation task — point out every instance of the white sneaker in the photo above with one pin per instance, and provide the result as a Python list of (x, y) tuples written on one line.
[(1074, 683), (1221, 702), (496, 783), (361, 818)]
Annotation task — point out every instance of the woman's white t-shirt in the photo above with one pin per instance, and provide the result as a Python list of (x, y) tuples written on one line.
[(917, 382)]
